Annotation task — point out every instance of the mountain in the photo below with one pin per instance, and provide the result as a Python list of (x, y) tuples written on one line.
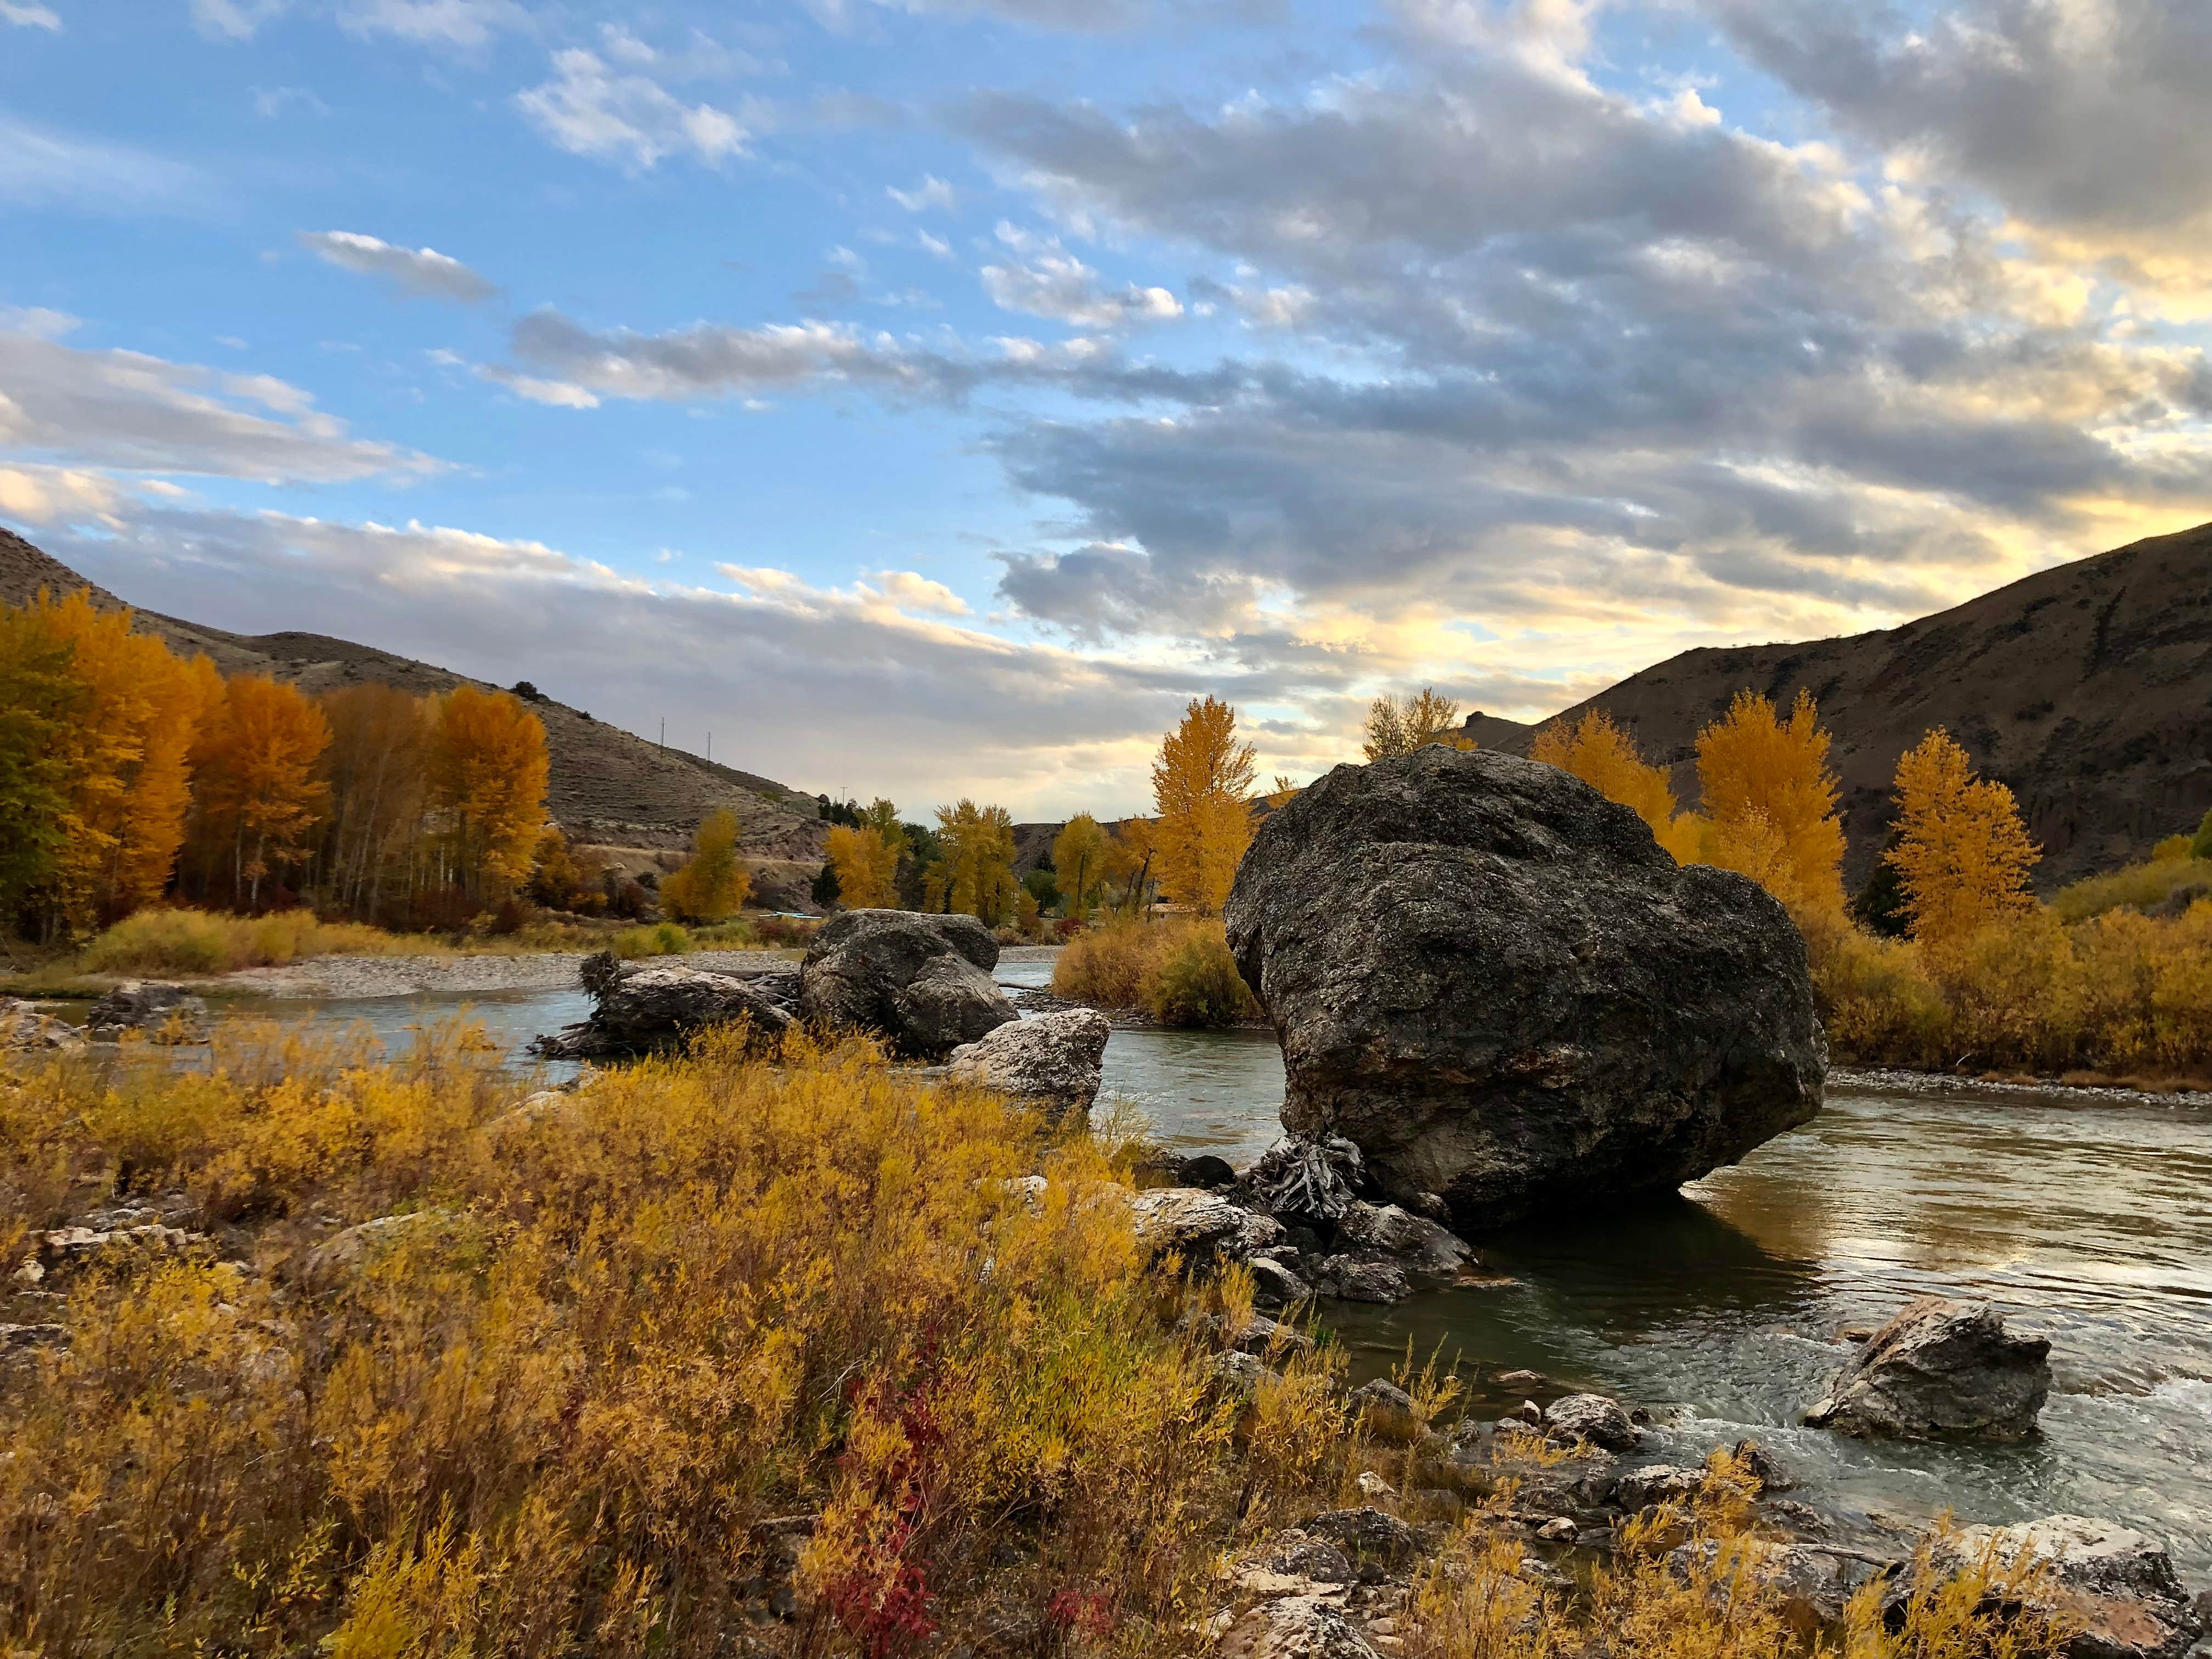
[(633, 801), (2087, 688)]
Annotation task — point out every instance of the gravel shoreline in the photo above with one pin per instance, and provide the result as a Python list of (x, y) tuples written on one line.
[(342, 978)]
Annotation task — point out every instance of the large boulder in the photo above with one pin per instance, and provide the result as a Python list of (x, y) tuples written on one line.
[(642, 1006), (2115, 1586), (1498, 986), (1054, 1060), (162, 1011), (24, 1030), (1939, 1370), (922, 983)]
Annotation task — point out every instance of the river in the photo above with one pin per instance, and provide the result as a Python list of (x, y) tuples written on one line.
[(2089, 1220)]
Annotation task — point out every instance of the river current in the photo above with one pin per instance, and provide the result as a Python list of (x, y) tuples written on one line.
[(2089, 1220)]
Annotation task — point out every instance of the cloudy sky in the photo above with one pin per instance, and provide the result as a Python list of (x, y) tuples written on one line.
[(928, 396)]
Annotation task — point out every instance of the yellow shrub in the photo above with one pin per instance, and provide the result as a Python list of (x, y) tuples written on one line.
[(1178, 970), (200, 942)]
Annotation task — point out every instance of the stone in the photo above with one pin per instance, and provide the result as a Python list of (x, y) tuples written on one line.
[(1382, 1397), (17, 1341), (340, 1256), (1192, 1222), (1374, 1540), (1521, 1380), (2119, 1584), (1296, 1554), (1239, 1373), (63, 1250), (160, 1012), (1262, 1334), (643, 1006), (922, 983), (1560, 1530), (1496, 985), (1295, 1627), (1418, 1242), (1592, 1417), (1205, 1170), (1939, 1369), (1351, 1279), (1812, 1581), (24, 1030), (1275, 1285), (1658, 1483), (1053, 1059)]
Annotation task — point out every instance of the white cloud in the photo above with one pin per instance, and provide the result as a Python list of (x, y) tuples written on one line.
[(630, 118), (1049, 282), (41, 167), (25, 16), (233, 20), (124, 412), (423, 271), (270, 102), (54, 494), (556, 394), (932, 192), (433, 23)]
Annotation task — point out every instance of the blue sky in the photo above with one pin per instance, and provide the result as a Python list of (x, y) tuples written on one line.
[(927, 398)]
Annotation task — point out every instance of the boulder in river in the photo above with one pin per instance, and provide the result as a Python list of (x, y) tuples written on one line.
[(159, 1010), (24, 1030), (920, 982), (1939, 1370), (1054, 1058), (1498, 986), (646, 1006)]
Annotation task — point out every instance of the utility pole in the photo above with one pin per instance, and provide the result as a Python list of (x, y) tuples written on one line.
[(710, 748), (664, 731)]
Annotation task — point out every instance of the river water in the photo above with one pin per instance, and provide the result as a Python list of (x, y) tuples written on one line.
[(2089, 1220)]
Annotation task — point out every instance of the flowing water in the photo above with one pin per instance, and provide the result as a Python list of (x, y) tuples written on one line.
[(2089, 1220)]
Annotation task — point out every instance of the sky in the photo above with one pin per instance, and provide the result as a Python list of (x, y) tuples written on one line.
[(929, 398)]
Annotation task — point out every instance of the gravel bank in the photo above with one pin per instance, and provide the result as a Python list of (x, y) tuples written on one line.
[(338, 978)]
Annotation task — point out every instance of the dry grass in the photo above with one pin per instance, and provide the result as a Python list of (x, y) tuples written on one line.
[(1178, 970), (201, 942), (559, 1414)]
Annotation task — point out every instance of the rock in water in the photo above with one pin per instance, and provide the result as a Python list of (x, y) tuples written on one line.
[(24, 1030), (1496, 983), (922, 983), (164, 1013), (1054, 1060), (2116, 1586), (643, 1006), (1938, 1368)]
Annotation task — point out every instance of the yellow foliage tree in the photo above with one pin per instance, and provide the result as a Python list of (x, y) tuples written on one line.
[(713, 883), (42, 700), (1130, 852), (486, 781), (257, 797), (1770, 801), (1202, 788), (1283, 791), (975, 870), (866, 867), (1604, 756), (1079, 862), (1399, 725), (380, 744), (1962, 854)]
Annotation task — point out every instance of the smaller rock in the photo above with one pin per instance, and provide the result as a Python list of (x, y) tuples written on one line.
[(1275, 1285), (1561, 1529), (1383, 1397), (1658, 1483), (1373, 1487), (1521, 1380), (1262, 1334), (18, 1341), (644, 1007), (1297, 1554), (162, 1011), (1421, 1243), (1373, 1540), (1205, 1170), (1351, 1279), (1939, 1369), (342, 1255), (2117, 1584), (24, 1030), (1764, 1467), (1240, 1374), (1592, 1417), (1186, 1220), (1054, 1060), (1295, 1627)]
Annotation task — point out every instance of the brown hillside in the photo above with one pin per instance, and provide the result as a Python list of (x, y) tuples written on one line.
[(608, 787), (2087, 688)]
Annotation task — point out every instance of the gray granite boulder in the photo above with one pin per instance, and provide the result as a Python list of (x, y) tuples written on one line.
[(2116, 1585), (154, 1008), (922, 983), (644, 1007), (1498, 986), (24, 1030), (1939, 1370), (1053, 1059)]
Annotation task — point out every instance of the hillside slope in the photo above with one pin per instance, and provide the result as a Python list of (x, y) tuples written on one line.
[(608, 787), (2087, 688)]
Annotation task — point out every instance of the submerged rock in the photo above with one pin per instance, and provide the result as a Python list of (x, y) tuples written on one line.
[(1593, 1417), (1054, 1060), (1498, 986), (920, 982), (163, 1012), (1939, 1369), (24, 1030), (644, 1007)]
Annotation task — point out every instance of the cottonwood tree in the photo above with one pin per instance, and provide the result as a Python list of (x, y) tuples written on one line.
[(40, 699), (376, 767), (1600, 754), (1202, 790), (974, 872), (256, 798), (1398, 725), (866, 867), (1130, 850), (486, 780), (1078, 863), (714, 882), (1961, 855), (1769, 800)]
